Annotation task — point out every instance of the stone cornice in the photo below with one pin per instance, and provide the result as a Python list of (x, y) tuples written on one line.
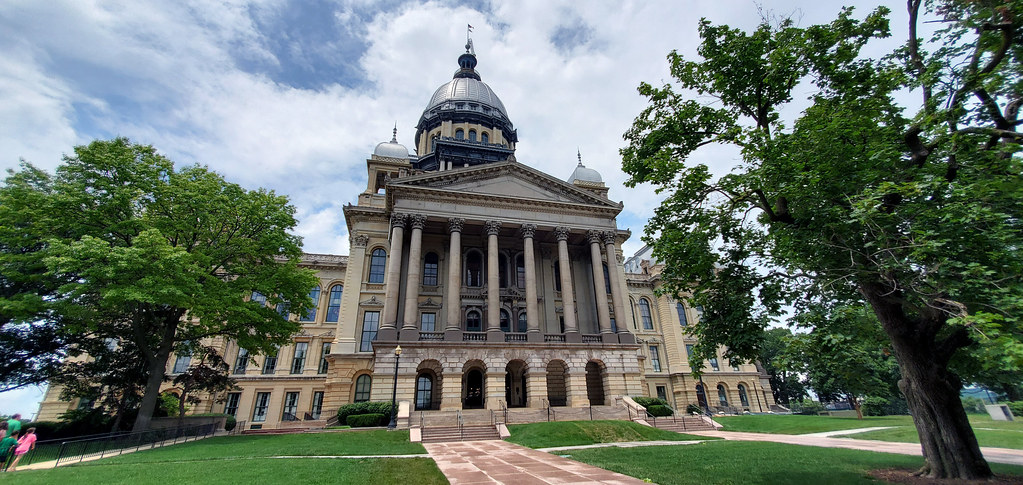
[(498, 202)]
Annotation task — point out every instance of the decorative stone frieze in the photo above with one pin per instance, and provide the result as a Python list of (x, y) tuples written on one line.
[(359, 240)]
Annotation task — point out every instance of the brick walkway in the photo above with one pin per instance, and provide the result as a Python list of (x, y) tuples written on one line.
[(472, 462), (995, 455)]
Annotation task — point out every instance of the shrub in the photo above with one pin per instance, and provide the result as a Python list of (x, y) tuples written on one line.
[(659, 410), (367, 407), (693, 409), (875, 406), (649, 401), (807, 406), (364, 420), (1016, 407), (974, 405)]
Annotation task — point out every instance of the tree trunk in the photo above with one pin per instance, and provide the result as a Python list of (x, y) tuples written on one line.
[(932, 393), (157, 368)]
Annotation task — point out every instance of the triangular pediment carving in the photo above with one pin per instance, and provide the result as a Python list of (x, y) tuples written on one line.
[(372, 301), (501, 180)]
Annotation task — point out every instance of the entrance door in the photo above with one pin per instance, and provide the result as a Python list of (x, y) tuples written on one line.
[(594, 384), (515, 384), (473, 398)]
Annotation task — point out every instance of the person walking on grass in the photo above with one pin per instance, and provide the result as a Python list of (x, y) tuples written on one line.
[(13, 425), (7, 446), (26, 443)]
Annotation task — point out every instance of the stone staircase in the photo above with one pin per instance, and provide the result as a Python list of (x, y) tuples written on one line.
[(444, 434), (681, 424)]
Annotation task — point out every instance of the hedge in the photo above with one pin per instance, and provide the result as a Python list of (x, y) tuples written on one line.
[(659, 410), (367, 407), (649, 401), (364, 420), (1016, 407)]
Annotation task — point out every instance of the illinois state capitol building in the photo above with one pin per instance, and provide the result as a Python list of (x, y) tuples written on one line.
[(504, 286)]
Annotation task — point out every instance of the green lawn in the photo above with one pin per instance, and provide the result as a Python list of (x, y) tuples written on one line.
[(733, 462), (373, 442), (1000, 434), (570, 433), (239, 471)]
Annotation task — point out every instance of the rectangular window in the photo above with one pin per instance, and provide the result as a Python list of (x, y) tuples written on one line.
[(614, 325), (735, 366), (241, 362), (181, 364), (714, 363), (370, 324), (689, 351), (231, 404), (428, 322), (270, 363), (324, 351), (662, 393), (298, 362), (290, 407), (317, 404), (260, 407), (655, 359)]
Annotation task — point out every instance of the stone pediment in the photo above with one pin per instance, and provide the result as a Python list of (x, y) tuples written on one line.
[(509, 180)]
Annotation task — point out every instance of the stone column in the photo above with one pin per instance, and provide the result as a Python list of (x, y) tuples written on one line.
[(603, 315), (617, 292), (532, 310), (392, 280), (410, 323), (345, 341), (493, 282), (453, 297), (567, 295)]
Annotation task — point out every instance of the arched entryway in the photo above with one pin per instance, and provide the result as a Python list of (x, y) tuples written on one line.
[(515, 383), (595, 382), (429, 378), (701, 396), (474, 385), (557, 389)]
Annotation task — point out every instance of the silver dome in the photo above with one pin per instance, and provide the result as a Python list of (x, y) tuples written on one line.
[(392, 149), (583, 174), (466, 89)]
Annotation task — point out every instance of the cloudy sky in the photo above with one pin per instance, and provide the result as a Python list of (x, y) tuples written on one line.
[(294, 95)]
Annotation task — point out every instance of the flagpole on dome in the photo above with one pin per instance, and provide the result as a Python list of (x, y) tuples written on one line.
[(468, 40)]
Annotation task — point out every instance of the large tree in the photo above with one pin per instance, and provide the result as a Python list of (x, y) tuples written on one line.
[(159, 256), (850, 201), (786, 384)]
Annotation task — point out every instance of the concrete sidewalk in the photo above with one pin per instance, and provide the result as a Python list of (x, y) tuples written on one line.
[(995, 455), (472, 462)]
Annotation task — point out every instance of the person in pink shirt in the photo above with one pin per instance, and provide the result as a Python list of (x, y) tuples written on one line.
[(25, 444)]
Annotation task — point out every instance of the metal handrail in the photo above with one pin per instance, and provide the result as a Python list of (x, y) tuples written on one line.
[(81, 448)]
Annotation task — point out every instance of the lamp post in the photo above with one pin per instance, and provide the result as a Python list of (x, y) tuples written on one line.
[(394, 392)]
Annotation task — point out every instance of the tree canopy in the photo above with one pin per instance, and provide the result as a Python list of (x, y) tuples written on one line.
[(137, 250), (855, 201)]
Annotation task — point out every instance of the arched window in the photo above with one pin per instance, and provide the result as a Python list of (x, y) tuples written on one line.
[(334, 303), (430, 269), (607, 280), (459, 134), (502, 270), (633, 303), (644, 313), (743, 398), (520, 272), (314, 295), (474, 269), (681, 314), (424, 391), (557, 276), (362, 387), (485, 138), (377, 265), (505, 321), (472, 322), (472, 135), (701, 396), (722, 396), (522, 322)]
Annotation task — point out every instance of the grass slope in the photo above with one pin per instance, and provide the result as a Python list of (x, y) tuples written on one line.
[(571, 433), (239, 471), (733, 462), (1000, 434), (373, 442)]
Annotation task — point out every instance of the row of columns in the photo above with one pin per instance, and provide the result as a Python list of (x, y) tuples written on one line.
[(452, 297)]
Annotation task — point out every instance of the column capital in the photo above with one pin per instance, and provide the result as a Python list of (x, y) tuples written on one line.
[(594, 237), (359, 240), (455, 224), (492, 228), (398, 220), (417, 221), (528, 231), (562, 233), (608, 237)]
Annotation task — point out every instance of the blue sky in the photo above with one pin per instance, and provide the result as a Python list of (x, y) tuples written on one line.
[(294, 95)]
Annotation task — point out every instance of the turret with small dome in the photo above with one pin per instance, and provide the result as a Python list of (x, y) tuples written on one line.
[(392, 149)]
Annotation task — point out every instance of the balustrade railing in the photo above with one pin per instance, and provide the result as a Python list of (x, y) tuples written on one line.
[(431, 335), (474, 336), (553, 338), (590, 339), (515, 337)]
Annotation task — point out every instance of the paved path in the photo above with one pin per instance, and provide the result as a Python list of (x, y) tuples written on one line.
[(478, 462), (994, 455), (842, 432)]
